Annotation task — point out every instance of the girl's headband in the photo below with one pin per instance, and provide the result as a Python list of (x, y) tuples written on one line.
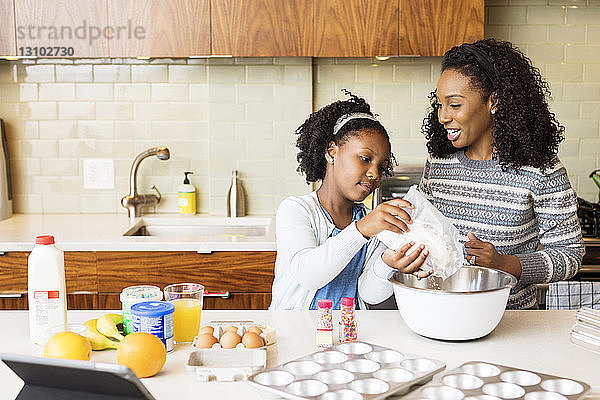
[(348, 117)]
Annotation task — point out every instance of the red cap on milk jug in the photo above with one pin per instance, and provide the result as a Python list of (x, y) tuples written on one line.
[(44, 239)]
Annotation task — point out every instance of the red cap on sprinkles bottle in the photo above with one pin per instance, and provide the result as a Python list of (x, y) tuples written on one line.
[(348, 301), (325, 303)]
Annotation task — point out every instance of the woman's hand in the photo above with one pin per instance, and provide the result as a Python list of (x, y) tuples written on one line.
[(485, 254), (407, 263), (386, 216)]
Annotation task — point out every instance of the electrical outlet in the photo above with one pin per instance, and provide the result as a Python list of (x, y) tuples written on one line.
[(98, 173)]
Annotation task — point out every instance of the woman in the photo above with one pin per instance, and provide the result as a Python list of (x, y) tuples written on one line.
[(493, 170)]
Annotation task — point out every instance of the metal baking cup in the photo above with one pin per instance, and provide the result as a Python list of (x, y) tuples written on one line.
[(348, 371), (478, 380)]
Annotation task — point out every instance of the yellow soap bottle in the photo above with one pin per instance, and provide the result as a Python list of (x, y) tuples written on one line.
[(187, 196)]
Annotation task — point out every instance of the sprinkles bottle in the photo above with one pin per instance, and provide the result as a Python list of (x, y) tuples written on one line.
[(324, 324), (348, 322)]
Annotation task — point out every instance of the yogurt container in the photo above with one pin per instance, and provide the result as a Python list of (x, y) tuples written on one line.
[(156, 318), (136, 294)]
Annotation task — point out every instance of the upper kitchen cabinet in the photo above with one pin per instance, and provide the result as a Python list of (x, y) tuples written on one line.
[(239, 28), (262, 27), (431, 27), (356, 28), (61, 28), (159, 28), (7, 28)]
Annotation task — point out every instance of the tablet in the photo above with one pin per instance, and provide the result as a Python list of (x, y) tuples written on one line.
[(53, 379)]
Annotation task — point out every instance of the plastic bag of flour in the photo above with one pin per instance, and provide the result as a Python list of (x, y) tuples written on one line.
[(431, 228)]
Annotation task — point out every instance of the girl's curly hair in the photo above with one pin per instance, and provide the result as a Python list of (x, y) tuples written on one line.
[(525, 132), (315, 134)]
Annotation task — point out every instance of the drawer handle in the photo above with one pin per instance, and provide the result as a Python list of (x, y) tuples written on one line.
[(222, 295), (11, 295)]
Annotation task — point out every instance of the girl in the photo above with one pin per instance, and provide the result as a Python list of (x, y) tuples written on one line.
[(493, 169), (325, 239)]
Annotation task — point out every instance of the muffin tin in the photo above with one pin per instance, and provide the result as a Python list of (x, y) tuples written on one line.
[(348, 371), (478, 380)]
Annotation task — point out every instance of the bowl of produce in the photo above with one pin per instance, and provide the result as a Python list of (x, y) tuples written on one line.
[(467, 305)]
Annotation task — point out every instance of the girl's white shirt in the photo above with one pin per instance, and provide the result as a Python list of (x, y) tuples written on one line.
[(308, 258)]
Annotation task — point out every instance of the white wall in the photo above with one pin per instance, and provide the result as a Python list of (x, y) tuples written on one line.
[(220, 114)]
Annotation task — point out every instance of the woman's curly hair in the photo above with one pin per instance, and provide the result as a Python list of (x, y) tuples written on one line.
[(525, 132), (315, 134)]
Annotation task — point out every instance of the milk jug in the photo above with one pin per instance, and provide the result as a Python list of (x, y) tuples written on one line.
[(46, 288)]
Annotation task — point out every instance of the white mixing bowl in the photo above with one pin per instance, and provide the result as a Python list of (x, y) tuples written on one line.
[(467, 305)]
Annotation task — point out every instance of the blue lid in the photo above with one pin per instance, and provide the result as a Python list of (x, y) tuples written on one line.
[(152, 308)]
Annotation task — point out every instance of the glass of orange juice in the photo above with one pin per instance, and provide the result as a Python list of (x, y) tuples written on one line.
[(187, 299)]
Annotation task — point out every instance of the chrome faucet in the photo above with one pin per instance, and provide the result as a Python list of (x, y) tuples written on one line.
[(134, 202)]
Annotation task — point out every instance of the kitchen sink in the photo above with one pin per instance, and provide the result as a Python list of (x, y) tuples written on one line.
[(199, 227)]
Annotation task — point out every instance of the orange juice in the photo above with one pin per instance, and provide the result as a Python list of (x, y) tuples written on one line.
[(186, 319)]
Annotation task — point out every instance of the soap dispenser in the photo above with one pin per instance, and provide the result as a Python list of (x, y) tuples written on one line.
[(236, 199), (187, 196)]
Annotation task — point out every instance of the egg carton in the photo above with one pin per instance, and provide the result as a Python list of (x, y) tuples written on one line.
[(219, 364), (475, 380), (348, 371), (268, 334)]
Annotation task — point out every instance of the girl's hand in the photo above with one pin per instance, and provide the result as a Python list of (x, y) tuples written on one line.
[(485, 254), (386, 216), (408, 264)]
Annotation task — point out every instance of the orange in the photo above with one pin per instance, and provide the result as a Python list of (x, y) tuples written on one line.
[(143, 352), (68, 345)]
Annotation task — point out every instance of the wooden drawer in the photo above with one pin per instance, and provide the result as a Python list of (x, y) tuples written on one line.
[(239, 301), (79, 301), (235, 301), (235, 272), (80, 272)]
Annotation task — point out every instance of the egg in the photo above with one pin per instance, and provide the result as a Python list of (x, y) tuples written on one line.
[(205, 341), (207, 329), (231, 329), (252, 340), (229, 340), (255, 329)]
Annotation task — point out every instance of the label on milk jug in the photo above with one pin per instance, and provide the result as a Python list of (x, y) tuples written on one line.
[(47, 307)]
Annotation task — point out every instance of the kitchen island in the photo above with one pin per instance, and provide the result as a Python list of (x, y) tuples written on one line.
[(533, 340)]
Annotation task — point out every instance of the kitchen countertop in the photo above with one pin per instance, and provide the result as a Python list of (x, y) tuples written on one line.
[(104, 232), (532, 340)]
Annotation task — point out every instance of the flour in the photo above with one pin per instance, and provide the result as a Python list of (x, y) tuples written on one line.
[(433, 230), (441, 253)]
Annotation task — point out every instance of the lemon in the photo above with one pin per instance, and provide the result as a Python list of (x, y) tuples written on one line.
[(144, 353), (68, 345)]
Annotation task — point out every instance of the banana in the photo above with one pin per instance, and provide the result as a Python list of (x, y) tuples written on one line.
[(107, 325), (98, 340)]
